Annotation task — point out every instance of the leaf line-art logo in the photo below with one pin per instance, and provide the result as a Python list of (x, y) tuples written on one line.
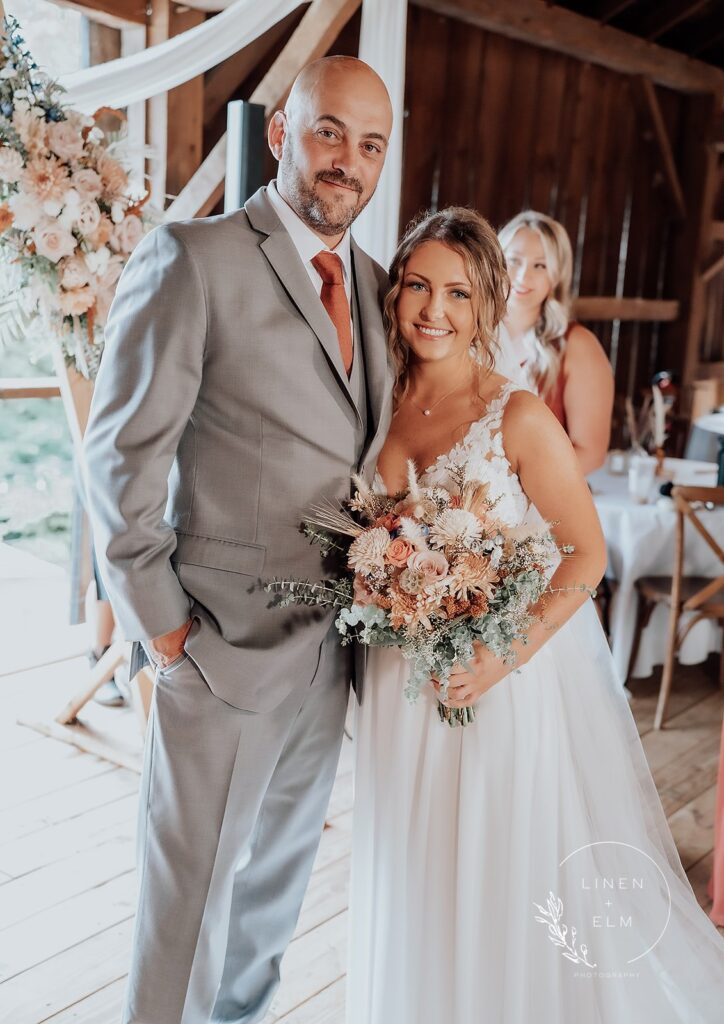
[(558, 932)]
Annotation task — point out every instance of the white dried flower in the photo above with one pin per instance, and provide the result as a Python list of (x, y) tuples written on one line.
[(455, 526), (367, 552)]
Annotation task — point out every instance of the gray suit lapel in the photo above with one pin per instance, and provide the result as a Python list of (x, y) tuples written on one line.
[(284, 260)]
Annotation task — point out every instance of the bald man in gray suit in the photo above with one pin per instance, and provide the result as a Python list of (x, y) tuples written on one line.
[(237, 389)]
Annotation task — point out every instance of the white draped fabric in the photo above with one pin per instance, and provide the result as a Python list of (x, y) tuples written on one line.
[(160, 68), (382, 46)]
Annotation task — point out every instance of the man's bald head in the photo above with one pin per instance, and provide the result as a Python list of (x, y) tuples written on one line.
[(331, 141)]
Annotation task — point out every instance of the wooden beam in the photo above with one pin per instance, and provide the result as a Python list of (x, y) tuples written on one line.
[(667, 16), (651, 118), (716, 231), (554, 28), (712, 269), (104, 43), (185, 114), (222, 80), (115, 13), (316, 32), (597, 307), (29, 387)]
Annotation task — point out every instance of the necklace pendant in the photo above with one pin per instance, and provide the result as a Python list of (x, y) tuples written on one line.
[(426, 412)]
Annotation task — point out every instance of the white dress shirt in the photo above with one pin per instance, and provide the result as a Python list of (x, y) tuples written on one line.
[(308, 245)]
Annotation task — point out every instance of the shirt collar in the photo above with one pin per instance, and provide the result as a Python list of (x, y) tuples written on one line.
[(306, 242)]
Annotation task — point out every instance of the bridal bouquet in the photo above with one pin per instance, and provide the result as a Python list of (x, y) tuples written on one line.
[(68, 221), (431, 571)]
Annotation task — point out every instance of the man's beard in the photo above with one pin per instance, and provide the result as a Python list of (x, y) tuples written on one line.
[(320, 214)]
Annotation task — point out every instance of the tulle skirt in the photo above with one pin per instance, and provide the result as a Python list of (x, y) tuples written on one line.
[(521, 869)]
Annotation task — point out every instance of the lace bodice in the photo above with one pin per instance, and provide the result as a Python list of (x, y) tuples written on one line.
[(482, 455)]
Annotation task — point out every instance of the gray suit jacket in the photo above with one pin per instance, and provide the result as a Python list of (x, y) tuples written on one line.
[(221, 414)]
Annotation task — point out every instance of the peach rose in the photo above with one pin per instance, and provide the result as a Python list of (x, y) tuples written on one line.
[(390, 522), (75, 273), (88, 218), (398, 552), (6, 217)]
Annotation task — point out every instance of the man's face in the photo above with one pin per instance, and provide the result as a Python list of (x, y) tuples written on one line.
[(332, 148)]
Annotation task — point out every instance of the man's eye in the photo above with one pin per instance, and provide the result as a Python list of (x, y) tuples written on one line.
[(327, 133), (371, 148)]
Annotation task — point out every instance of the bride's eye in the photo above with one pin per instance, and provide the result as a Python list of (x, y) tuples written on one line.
[(460, 294), (415, 285)]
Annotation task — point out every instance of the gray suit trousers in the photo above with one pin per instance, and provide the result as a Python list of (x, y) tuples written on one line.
[(232, 808)]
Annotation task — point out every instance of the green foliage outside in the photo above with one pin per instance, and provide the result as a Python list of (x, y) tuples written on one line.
[(36, 459)]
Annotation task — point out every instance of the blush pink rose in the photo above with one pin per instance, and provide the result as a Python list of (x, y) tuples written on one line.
[(87, 183), (53, 242), (362, 594), (77, 301), (75, 273), (128, 233), (399, 552), (65, 140), (431, 564)]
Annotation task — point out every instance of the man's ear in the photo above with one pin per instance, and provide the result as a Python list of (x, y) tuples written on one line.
[(277, 133)]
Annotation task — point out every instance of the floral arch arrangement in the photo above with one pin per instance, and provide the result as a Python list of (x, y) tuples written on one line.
[(68, 219)]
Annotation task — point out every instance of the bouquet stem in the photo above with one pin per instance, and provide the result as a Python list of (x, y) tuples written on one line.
[(455, 716)]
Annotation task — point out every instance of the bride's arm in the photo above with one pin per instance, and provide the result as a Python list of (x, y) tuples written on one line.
[(541, 454)]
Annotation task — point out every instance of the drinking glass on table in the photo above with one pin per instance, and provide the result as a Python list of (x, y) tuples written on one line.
[(641, 475)]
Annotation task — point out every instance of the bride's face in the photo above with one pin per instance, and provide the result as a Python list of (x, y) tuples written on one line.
[(434, 309)]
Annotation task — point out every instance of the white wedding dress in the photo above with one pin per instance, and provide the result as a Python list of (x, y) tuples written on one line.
[(477, 851)]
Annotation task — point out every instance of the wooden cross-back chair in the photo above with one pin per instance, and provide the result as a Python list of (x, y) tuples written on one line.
[(703, 596)]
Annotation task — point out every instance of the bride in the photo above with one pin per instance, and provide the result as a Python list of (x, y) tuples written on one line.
[(519, 869)]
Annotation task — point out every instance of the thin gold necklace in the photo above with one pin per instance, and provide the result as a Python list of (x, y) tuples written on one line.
[(430, 408)]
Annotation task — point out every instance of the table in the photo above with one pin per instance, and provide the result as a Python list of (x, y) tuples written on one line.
[(640, 542)]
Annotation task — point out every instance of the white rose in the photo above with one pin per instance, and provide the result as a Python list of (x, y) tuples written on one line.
[(71, 206), (129, 233), (53, 241), (89, 217), (27, 211), (65, 140), (87, 183), (11, 164), (97, 260), (117, 212), (75, 273)]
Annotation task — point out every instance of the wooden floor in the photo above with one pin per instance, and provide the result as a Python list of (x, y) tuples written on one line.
[(67, 880)]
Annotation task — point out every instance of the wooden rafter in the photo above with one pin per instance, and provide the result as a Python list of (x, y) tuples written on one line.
[(599, 308), (609, 9), (315, 33), (554, 28), (115, 13), (712, 269), (222, 80), (668, 15), (652, 119)]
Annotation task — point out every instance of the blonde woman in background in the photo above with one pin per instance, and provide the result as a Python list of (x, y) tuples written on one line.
[(541, 346)]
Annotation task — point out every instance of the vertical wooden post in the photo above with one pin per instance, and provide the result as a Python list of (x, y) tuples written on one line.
[(690, 240), (176, 118)]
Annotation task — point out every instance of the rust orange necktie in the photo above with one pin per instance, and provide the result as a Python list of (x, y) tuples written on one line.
[(334, 299)]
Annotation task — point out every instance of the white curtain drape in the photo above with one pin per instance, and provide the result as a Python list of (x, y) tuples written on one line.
[(160, 68), (382, 46)]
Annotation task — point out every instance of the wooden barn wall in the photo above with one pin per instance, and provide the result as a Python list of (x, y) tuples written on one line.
[(500, 125)]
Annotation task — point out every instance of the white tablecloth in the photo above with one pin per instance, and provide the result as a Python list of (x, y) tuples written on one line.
[(640, 542)]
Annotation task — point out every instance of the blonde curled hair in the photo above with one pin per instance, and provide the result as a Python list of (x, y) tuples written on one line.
[(467, 233), (552, 325)]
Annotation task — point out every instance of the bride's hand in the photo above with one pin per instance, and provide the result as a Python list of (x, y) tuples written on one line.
[(465, 686)]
